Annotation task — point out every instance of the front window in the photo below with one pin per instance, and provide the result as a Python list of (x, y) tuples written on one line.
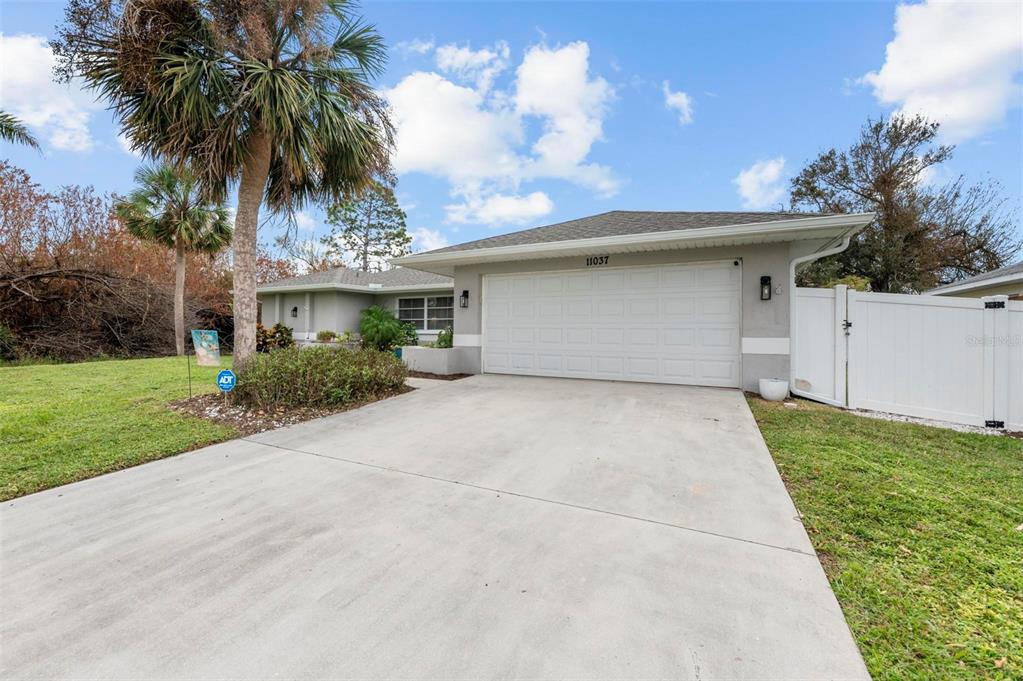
[(434, 313)]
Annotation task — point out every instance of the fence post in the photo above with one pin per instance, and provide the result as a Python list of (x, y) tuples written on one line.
[(841, 345), (996, 360)]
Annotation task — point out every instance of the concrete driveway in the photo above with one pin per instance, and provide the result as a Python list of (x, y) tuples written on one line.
[(494, 527)]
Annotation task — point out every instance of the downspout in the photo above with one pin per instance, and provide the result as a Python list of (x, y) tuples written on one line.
[(846, 238)]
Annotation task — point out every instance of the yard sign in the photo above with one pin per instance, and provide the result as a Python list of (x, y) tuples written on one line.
[(207, 348)]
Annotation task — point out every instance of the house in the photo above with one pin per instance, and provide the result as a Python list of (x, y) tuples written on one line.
[(671, 297), (333, 300), (1007, 281)]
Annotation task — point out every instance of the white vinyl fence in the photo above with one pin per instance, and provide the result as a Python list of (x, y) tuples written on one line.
[(937, 357)]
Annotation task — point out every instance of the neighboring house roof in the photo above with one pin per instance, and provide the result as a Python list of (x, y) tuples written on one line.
[(346, 279), (1006, 275), (625, 231)]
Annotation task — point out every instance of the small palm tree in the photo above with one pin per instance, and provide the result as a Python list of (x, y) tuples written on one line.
[(167, 208), (272, 97), (13, 130)]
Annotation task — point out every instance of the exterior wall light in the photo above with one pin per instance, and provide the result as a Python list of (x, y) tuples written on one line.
[(463, 300), (765, 288), (294, 311)]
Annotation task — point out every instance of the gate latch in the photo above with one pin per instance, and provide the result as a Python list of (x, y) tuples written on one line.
[(846, 325)]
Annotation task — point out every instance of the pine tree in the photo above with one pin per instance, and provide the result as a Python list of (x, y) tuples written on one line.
[(369, 229)]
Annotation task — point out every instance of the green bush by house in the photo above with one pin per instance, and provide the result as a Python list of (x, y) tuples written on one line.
[(318, 377), (381, 330), (276, 337)]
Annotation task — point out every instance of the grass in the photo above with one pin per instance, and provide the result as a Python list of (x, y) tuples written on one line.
[(920, 531), (66, 422)]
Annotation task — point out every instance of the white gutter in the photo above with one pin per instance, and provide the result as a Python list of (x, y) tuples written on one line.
[(846, 238), (1010, 278), (552, 249)]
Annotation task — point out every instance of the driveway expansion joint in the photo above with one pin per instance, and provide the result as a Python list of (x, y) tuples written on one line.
[(435, 478)]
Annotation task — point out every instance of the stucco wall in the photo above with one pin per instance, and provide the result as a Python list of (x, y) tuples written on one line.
[(760, 319)]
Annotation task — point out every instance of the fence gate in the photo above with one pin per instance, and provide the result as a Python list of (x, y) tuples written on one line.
[(947, 358)]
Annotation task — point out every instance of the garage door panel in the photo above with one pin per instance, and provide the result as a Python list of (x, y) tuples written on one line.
[(579, 336), (610, 336), (667, 323), (678, 306)]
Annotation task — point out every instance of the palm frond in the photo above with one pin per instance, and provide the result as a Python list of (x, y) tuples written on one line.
[(14, 131)]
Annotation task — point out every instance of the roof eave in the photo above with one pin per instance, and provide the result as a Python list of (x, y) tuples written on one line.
[(789, 229), (351, 288), (950, 289)]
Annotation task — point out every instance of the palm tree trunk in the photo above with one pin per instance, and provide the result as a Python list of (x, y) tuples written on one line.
[(250, 196), (179, 296)]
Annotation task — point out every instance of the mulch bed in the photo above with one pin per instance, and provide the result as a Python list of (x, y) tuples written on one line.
[(250, 420), (438, 377)]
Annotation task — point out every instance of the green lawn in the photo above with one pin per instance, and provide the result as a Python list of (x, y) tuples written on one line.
[(920, 531), (65, 422)]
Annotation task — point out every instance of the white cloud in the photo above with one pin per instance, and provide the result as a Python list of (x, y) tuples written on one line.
[(555, 85), (424, 239), (60, 113), (477, 66), (760, 185), (305, 222), (954, 62), (414, 46), (679, 102), (125, 145), (500, 209), (477, 140)]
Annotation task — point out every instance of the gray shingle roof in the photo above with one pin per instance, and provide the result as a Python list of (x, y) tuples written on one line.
[(1001, 272), (620, 223), (398, 276)]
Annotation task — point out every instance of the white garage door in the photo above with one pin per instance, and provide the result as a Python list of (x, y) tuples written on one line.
[(660, 324)]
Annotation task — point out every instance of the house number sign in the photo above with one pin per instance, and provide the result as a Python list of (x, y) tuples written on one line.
[(596, 260)]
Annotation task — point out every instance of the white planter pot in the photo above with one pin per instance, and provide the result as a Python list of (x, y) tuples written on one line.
[(774, 389)]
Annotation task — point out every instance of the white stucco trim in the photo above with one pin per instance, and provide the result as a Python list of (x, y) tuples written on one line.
[(471, 340), (765, 346)]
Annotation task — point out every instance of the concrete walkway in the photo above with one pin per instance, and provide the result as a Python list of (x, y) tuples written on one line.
[(489, 527)]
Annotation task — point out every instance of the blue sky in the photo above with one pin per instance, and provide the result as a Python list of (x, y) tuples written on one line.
[(513, 115)]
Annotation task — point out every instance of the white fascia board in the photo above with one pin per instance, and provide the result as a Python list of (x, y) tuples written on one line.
[(297, 288), (793, 228), (1015, 277)]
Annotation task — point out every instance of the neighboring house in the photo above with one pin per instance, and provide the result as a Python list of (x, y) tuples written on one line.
[(1007, 281), (688, 298), (333, 300)]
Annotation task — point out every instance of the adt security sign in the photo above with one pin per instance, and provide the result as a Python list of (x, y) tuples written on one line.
[(226, 380)]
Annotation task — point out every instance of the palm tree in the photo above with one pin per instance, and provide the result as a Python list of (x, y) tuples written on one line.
[(271, 95), (13, 130), (167, 208)]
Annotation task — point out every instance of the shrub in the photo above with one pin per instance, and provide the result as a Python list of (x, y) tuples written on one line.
[(409, 336), (380, 329), (276, 337), (853, 281), (326, 336), (445, 339), (318, 377)]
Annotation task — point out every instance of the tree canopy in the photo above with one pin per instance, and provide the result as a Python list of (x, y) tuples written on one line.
[(923, 235), (274, 96)]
